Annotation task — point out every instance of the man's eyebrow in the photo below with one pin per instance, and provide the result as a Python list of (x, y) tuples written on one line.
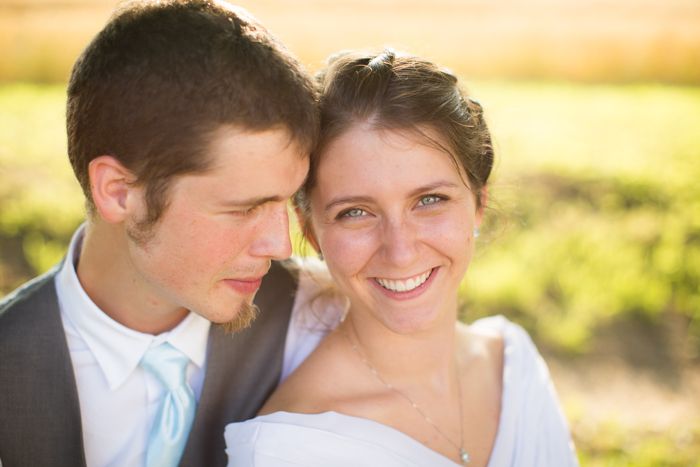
[(256, 201), (366, 199)]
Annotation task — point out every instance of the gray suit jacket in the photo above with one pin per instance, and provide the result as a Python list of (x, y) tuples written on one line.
[(39, 409)]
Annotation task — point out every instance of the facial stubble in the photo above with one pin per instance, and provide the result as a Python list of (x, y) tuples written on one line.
[(243, 319)]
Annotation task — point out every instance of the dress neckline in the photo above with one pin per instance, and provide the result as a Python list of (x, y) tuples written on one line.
[(368, 429)]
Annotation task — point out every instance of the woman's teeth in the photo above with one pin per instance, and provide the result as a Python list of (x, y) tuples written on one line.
[(404, 285)]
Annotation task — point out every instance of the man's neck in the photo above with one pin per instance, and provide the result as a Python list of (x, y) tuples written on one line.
[(109, 279)]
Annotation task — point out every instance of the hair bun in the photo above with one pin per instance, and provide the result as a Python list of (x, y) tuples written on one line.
[(383, 59)]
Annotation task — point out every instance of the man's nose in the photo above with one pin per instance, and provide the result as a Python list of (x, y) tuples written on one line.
[(273, 236)]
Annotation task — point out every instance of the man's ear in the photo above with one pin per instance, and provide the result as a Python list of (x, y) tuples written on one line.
[(306, 229), (111, 184), (483, 202)]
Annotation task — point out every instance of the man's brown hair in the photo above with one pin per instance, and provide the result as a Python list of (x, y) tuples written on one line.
[(162, 76)]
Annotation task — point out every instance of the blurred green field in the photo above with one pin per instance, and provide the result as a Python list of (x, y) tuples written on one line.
[(593, 231), (596, 205)]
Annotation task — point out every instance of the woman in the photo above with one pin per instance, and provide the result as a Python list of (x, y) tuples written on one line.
[(395, 196)]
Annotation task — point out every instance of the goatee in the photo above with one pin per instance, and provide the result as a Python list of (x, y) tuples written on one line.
[(243, 319)]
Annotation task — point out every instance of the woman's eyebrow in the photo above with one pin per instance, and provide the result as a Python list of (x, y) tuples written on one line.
[(346, 200), (434, 186), (365, 199)]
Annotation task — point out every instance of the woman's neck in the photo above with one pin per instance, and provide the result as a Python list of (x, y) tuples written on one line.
[(426, 356)]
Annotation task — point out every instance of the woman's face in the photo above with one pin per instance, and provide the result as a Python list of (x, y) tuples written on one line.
[(394, 221)]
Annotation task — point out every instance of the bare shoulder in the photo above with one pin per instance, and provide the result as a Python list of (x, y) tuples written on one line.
[(317, 385)]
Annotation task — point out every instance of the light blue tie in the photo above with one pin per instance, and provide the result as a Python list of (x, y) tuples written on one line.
[(173, 420)]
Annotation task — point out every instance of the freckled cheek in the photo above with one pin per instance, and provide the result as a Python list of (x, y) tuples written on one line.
[(224, 249), (206, 250), (347, 252), (449, 234)]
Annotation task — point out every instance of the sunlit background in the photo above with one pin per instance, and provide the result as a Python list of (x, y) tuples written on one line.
[(593, 235)]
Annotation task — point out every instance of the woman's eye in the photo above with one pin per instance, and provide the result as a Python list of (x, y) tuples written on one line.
[(430, 199), (351, 213)]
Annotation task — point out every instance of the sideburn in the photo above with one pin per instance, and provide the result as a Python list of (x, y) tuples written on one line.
[(141, 233)]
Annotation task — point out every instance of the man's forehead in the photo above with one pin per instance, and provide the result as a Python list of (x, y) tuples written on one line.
[(230, 136), (248, 167)]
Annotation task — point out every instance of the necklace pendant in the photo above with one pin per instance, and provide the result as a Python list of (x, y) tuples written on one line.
[(464, 455)]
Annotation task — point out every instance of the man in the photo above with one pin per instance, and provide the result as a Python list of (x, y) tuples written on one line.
[(189, 127)]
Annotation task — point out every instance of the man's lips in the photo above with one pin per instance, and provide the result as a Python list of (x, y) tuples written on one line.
[(245, 286)]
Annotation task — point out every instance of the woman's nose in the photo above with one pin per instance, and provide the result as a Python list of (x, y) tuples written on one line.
[(400, 242)]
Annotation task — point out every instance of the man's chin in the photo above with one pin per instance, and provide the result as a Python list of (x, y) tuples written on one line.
[(243, 319)]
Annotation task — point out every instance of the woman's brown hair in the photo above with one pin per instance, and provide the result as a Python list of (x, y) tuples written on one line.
[(394, 91)]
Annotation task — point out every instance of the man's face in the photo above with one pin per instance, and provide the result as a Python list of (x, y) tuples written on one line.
[(213, 243)]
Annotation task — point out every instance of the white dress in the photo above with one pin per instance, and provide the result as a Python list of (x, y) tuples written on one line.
[(532, 430)]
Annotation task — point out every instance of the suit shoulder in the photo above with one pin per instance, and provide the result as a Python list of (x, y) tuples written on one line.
[(26, 294)]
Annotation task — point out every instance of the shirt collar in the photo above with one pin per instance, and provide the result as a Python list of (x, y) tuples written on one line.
[(117, 348)]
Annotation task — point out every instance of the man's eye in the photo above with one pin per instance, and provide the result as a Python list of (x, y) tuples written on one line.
[(430, 199), (351, 213), (244, 212)]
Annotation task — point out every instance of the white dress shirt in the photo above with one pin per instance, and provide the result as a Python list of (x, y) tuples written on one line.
[(118, 398)]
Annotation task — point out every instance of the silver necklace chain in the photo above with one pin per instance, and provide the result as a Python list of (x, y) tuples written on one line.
[(463, 455)]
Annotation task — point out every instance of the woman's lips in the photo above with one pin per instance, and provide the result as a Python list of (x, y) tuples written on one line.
[(405, 294)]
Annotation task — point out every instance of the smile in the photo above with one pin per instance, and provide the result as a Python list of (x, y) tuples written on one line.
[(404, 285)]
